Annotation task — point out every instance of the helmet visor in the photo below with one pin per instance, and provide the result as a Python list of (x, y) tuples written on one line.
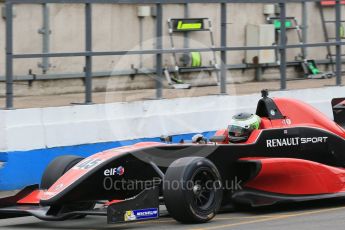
[(237, 131)]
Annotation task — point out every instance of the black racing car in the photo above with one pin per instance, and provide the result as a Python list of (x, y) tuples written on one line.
[(297, 154)]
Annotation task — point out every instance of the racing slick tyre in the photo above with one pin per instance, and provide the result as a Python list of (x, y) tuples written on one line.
[(57, 168), (192, 190)]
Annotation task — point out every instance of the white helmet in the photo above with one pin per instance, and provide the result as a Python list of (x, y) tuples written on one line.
[(242, 125)]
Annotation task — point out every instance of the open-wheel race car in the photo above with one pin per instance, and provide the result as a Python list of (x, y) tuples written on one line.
[(297, 154)]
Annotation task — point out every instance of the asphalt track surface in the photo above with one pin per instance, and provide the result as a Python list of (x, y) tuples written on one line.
[(329, 214)]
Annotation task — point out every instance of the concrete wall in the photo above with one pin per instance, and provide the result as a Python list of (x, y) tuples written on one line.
[(116, 27)]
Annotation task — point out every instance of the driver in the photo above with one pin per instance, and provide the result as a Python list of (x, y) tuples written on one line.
[(241, 126), (239, 130)]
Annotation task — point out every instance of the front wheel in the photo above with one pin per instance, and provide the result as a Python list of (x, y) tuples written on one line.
[(56, 169), (192, 190)]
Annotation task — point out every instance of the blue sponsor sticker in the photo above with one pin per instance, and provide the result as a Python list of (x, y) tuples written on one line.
[(141, 214)]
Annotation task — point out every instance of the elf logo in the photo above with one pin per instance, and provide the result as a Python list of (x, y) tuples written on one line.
[(118, 171)]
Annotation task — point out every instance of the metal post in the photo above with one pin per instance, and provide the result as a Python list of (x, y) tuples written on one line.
[(45, 31), (338, 40), (159, 45), (304, 28), (282, 46), (185, 35), (88, 58), (223, 43), (141, 40), (9, 55)]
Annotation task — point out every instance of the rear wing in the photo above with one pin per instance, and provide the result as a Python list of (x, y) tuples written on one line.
[(338, 106)]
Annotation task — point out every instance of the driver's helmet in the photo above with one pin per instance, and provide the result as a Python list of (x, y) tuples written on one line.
[(242, 125)]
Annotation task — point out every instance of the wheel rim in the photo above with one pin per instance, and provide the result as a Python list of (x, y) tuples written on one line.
[(203, 189)]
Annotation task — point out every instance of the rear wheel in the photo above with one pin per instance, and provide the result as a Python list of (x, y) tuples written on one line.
[(192, 190), (56, 169)]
